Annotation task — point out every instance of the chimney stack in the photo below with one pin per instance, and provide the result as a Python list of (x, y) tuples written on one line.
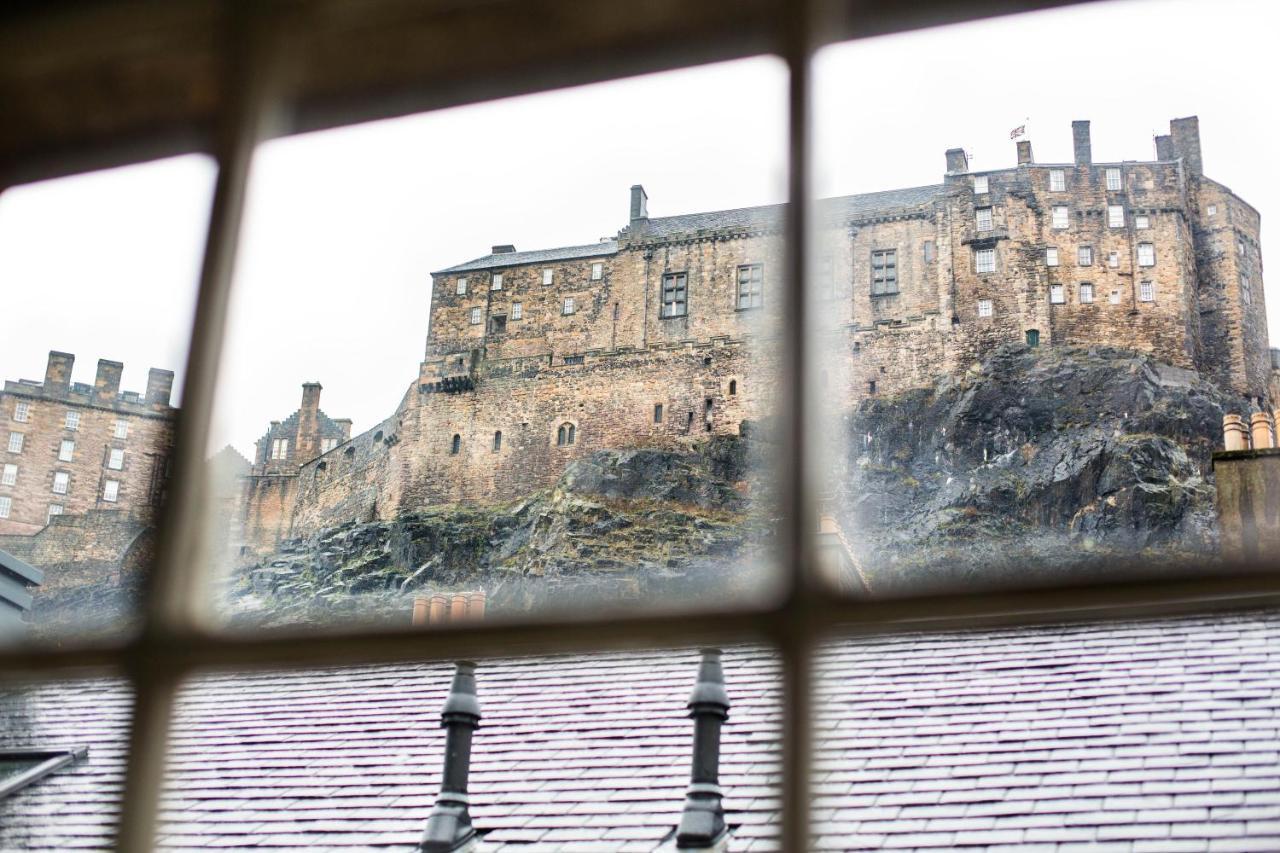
[(1080, 142), (1186, 143), (639, 203), (1164, 148), (504, 249), (957, 161), (159, 386), (702, 823), (1024, 152), (449, 825), (57, 373), (106, 385)]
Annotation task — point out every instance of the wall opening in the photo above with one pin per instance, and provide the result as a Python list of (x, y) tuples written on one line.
[(733, 387), (497, 441), (456, 445), (566, 435), (657, 413), (1033, 337)]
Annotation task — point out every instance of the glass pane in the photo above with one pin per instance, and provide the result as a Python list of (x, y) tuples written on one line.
[(78, 730), (393, 485), (992, 419), (1085, 736), (572, 752), (98, 269)]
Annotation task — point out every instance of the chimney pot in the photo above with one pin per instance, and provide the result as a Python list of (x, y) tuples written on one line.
[(421, 609), (475, 605), (439, 608), (702, 823), (458, 607), (449, 825), (639, 203), (1234, 433), (1080, 142), (1260, 427)]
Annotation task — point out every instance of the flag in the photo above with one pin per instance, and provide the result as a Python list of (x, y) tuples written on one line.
[(1018, 131)]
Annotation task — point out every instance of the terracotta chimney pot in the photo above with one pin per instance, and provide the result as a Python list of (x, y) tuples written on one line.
[(475, 608), (421, 609), (439, 608), (1234, 434), (458, 607), (1260, 427)]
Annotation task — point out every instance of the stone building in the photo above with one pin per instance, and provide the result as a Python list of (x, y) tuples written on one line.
[(71, 448), (661, 335)]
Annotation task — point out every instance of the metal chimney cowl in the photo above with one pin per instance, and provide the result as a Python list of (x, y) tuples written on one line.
[(449, 824), (702, 825)]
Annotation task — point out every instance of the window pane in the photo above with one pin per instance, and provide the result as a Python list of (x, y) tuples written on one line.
[(101, 272), (586, 498), (974, 434)]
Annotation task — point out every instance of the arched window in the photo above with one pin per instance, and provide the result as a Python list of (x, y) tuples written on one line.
[(573, 430), (733, 387), (377, 436), (566, 434), (456, 446), (497, 441)]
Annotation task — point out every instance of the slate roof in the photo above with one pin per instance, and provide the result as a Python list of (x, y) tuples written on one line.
[(839, 209), (1151, 735)]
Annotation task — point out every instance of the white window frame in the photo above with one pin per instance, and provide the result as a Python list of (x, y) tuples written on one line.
[(984, 219), (279, 448), (66, 450), (9, 475), (1115, 182), (597, 271), (981, 184), (1084, 256), (54, 509), (1142, 221), (1051, 258), (984, 261), (72, 420), (16, 440), (1146, 291), (1113, 260), (568, 306), (6, 506), (1246, 293), (476, 317), (1212, 210), (548, 276), (1146, 254), (1115, 216), (495, 281), (21, 411), (1061, 217), (111, 491), (121, 431), (1086, 293), (115, 459), (1057, 294), (986, 308), (1114, 298), (517, 310), (461, 287), (327, 444), (61, 482), (1057, 180)]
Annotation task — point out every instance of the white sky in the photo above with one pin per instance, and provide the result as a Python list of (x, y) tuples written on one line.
[(343, 227)]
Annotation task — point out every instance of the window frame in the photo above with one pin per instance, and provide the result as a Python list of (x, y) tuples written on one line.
[(21, 411), (980, 268), (886, 279), (111, 491), (63, 479), (9, 474), (1057, 180), (1082, 288), (66, 450), (984, 223), (1113, 186), (71, 420), (673, 282), (755, 287), (1146, 253), (1054, 220), (6, 506)]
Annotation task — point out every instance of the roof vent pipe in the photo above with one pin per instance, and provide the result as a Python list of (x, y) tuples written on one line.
[(702, 823), (449, 825)]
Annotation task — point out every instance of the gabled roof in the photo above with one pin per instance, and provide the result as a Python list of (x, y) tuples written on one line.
[(514, 259), (1121, 734)]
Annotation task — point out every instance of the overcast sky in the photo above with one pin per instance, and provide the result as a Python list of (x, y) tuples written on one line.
[(344, 227)]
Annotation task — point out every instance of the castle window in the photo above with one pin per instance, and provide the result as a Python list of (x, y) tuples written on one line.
[(930, 251), (517, 310), (377, 436), (871, 386), (1057, 295), (122, 430), (111, 491), (574, 359), (1051, 257), (1212, 210), (733, 387), (328, 444), (1239, 246), (1146, 254), (566, 435), (1057, 180), (1113, 180), (657, 413), (983, 217), (475, 316), (985, 308), (497, 441), (984, 260), (1115, 216), (1084, 256), (10, 475), (66, 450), (349, 452), (1061, 217), (495, 283), (6, 504), (73, 420), (617, 309), (455, 445), (498, 324), (61, 482), (980, 184), (597, 272), (54, 509), (750, 286), (568, 305), (1086, 293), (548, 276), (21, 411), (280, 448), (115, 460), (674, 295), (1142, 222), (884, 272), (15, 442), (1146, 292), (1245, 295), (1033, 337), (323, 466), (462, 286), (1113, 260)]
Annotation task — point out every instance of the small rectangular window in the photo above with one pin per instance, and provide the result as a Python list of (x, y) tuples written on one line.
[(574, 359), (1115, 216), (568, 305), (462, 286), (1239, 246), (517, 310), (54, 509), (15, 442), (66, 450), (1146, 254), (280, 448), (984, 260), (10, 475), (1142, 222), (61, 482), (1114, 299), (980, 184), (884, 272), (597, 271), (1084, 256), (6, 505), (495, 283), (657, 413), (121, 430), (1086, 293), (111, 491), (1113, 180), (1057, 180), (548, 275), (750, 286), (73, 420), (983, 216), (115, 459), (476, 316), (930, 251), (1245, 295), (1057, 295), (1051, 257), (1146, 292), (498, 323), (1061, 217), (674, 295), (984, 308), (21, 411), (1212, 210), (328, 444), (1113, 260)]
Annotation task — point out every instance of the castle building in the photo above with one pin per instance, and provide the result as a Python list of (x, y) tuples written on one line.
[(660, 336), (72, 447)]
